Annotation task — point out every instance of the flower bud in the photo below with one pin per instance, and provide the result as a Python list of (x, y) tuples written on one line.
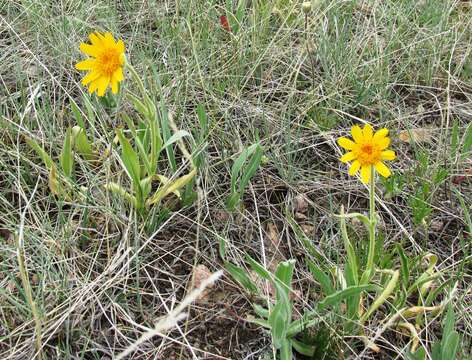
[(306, 6)]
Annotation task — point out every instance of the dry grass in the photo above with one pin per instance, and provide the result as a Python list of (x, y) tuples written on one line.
[(101, 276)]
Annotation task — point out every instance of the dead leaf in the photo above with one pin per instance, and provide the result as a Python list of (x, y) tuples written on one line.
[(200, 274), (222, 216), (461, 178), (308, 229), (5, 234), (224, 23), (419, 135), (273, 236), (436, 225), (300, 204), (300, 216)]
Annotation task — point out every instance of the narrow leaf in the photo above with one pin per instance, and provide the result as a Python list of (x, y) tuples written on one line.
[(47, 160), (341, 295), (321, 277), (67, 156), (170, 187), (81, 142), (117, 189), (129, 158), (241, 276), (278, 320)]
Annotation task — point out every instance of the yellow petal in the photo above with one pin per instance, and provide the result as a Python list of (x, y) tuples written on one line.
[(120, 46), (356, 132), (102, 85), (379, 134), (348, 156), (387, 155), (93, 86), (382, 169), (365, 173), (118, 74), (95, 40), (383, 143), (354, 168), (100, 36), (367, 132), (346, 143), (91, 76), (90, 49), (109, 38), (114, 86), (87, 64)]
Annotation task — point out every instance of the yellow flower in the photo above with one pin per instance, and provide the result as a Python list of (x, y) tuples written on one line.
[(105, 64), (367, 150)]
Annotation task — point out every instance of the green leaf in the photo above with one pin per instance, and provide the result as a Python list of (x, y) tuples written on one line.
[(171, 187), (304, 349), (138, 104), (261, 311), (467, 144), (405, 271), (258, 268), (259, 322), (90, 109), (47, 160), (67, 156), (307, 321), (167, 134), (436, 351), (449, 321), (81, 142), (450, 346), (117, 189), (465, 209), (284, 273), (77, 114), (222, 247), (242, 277), (238, 164), (144, 157), (321, 277), (389, 288), (129, 158), (232, 201), (251, 169), (307, 243), (341, 295), (54, 182), (420, 354), (203, 119), (279, 320), (176, 137), (286, 350), (130, 124), (352, 272), (243, 174)]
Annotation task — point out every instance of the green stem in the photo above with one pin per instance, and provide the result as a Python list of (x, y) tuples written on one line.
[(29, 294), (136, 78), (156, 140), (372, 223)]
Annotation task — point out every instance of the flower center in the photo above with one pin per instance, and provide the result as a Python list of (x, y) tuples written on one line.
[(108, 61), (368, 154), (367, 149)]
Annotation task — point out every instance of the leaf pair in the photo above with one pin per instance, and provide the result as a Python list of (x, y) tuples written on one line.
[(242, 171), (141, 186)]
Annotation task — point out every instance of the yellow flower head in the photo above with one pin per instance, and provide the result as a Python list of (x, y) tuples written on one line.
[(105, 64), (367, 150)]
